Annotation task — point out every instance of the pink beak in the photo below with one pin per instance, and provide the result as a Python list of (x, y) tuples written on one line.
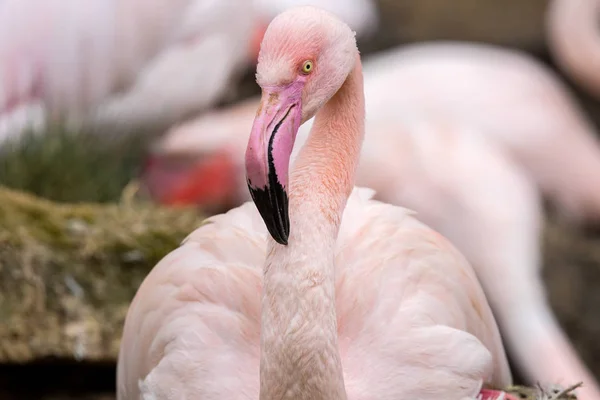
[(268, 155)]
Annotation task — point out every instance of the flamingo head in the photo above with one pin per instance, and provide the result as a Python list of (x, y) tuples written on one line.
[(305, 56)]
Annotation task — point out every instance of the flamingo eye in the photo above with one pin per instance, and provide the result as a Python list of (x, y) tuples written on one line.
[(307, 67)]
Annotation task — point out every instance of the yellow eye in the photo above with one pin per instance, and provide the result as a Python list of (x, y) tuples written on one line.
[(307, 67)]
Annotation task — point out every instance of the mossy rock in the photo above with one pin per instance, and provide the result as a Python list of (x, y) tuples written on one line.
[(69, 271)]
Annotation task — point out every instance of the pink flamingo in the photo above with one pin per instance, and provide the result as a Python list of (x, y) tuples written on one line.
[(455, 173), (572, 34), (202, 69), (458, 182), (359, 299), (105, 62), (512, 99), (107, 65)]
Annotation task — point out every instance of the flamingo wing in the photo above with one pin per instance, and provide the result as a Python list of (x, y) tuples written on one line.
[(413, 319), (192, 330)]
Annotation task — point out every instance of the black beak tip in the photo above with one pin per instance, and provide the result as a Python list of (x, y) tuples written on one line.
[(283, 240), (272, 204)]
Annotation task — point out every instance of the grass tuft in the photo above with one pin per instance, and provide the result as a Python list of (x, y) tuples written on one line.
[(70, 167)]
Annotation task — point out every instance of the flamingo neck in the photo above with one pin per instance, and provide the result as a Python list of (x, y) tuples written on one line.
[(299, 343), (574, 40)]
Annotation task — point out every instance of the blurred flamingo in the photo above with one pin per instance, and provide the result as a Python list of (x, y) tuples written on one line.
[(103, 65), (458, 173), (359, 299), (574, 41), (106, 61), (200, 75)]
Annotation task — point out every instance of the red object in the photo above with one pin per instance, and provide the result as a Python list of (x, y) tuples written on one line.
[(203, 181), (489, 394)]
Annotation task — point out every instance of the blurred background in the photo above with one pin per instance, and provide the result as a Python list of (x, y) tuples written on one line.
[(100, 147)]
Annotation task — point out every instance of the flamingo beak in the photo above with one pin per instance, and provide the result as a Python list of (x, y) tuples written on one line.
[(268, 155)]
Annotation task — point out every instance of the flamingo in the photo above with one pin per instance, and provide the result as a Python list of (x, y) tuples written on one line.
[(457, 176), (359, 299), (572, 35), (91, 63), (144, 64), (183, 65), (459, 183)]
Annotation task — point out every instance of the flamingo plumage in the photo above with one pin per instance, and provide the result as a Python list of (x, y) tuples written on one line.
[(121, 65), (103, 63), (573, 40), (510, 98), (359, 299), (461, 172), (220, 47)]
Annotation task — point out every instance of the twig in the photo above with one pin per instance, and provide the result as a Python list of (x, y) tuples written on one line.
[(566, 391)]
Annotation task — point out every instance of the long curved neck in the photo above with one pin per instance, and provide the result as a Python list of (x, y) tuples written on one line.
[(575, 41), (299, 345)]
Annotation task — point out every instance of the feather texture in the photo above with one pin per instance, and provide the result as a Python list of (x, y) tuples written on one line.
[(412, 318)]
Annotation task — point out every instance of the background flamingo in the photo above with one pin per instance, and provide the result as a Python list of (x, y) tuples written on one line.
[(185, 65), (573, 40), (344, 315), (46, 66), (502, 94), (132, 48)]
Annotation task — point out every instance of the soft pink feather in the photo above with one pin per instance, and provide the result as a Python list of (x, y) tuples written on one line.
[(573, 40)]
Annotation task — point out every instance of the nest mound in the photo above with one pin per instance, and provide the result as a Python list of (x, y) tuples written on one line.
[(69, 271)]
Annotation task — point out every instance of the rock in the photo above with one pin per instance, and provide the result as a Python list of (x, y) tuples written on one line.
[(67, 273)]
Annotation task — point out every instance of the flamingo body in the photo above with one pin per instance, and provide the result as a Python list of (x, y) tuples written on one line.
[(572, 35), (104, 63), (127, 65), (409, 306), (508, 97)]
